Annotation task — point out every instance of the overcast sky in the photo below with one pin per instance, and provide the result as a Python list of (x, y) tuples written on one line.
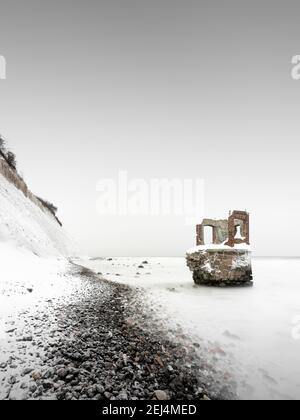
[(161, 89)]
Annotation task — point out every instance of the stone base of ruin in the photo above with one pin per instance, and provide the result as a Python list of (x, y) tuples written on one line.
[(221, 267)]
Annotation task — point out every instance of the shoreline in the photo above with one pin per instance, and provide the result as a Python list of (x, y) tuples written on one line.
[(103, 345), (122, 359)]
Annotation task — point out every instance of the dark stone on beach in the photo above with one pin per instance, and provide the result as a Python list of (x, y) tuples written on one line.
[(27, 371), (62, 373), (160, 395)]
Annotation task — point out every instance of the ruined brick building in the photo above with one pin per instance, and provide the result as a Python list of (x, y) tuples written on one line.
[(226, 230), (227, 261)]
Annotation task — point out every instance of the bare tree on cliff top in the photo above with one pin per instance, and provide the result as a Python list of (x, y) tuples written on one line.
[(11, 160), (2, 146), (9, 157)]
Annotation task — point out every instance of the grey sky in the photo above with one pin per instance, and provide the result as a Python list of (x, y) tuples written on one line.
[(185, 89)]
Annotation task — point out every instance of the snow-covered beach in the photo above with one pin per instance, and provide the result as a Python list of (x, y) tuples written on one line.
[(66, 333), (251, 333), (84, 338), (246, 339)]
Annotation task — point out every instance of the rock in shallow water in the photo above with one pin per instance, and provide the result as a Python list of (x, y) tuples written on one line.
[(220, 267)]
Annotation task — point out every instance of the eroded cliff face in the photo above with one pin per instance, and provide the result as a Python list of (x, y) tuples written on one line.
[(13, 177), (220, 267), (26, 223)]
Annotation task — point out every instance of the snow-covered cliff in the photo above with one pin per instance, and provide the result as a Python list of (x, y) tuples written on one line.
[(25, 223)]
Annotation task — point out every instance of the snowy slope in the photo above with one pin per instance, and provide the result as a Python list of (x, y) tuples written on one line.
[(25, 225), (34, 277)]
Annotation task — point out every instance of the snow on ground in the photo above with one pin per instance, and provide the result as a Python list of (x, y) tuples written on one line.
[(33, 277), (30, 288), (28, 280), (250, 332), (33, 250)]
